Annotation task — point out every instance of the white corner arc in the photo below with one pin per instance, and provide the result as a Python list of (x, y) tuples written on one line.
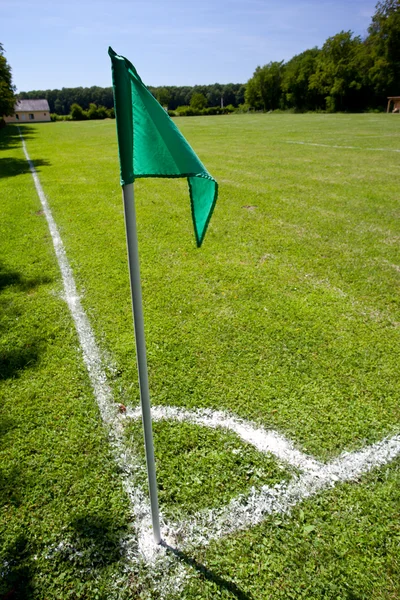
[(252, 508)]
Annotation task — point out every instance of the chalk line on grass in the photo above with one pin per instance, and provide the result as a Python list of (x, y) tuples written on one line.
[(128, 463), (264, 441), (342, 147), (252, 508), (241, 512)]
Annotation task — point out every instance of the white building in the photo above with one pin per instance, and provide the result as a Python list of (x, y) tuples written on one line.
[(32, 111)]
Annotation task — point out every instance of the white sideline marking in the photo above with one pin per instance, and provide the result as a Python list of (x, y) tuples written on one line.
[(243, 511), (345, 147), (98, 378), (91, 354)]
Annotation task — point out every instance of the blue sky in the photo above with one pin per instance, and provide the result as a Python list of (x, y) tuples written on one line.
[(54, 44)]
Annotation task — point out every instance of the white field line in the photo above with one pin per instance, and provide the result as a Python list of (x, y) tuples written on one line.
[(247, 511), (264, 441), (251, 509), (92, 358), (342, 147)]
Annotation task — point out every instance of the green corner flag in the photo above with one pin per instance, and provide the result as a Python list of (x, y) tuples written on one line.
[(150, 144)]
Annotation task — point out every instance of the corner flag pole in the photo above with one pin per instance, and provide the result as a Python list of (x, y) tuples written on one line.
[(151, 145), (137, 309)]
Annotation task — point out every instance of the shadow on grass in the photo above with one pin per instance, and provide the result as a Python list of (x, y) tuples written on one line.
[(25, 353), (208, 574), (93, 544), (10, 138), (99, 539), (5, 425), (10, 486), (15, 575), (9, 277), (10, 167), (13, 361)]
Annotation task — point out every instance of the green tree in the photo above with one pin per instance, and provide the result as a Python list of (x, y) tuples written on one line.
[(163, 96), (229, 95), (383, 46), (253, 92), (77, 112), (263, 90), (96, 112), (337, 75), (214, 94), (198, 101), (102, 112), (239, 94), (92, 113), (7, 89), (296, 82), (58, 107)]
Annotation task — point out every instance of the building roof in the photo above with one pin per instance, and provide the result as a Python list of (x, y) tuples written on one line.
[(32, 105)]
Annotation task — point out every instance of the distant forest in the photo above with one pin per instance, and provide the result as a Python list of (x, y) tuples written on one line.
[(348, 73), (60, 101)]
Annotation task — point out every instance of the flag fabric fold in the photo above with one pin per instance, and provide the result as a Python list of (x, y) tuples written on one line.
[(150, 144)]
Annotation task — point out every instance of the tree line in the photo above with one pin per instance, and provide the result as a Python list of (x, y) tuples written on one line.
[(348, 73), (172, 97)]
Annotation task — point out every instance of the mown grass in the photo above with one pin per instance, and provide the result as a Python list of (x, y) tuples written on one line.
[(288, 316), (58, 482)]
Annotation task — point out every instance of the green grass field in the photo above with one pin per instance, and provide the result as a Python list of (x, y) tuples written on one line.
[(288, 316)]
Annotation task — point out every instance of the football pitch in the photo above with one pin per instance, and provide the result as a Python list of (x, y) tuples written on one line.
[(273, 356)]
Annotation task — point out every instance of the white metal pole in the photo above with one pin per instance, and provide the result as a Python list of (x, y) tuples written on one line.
[(137, 308)]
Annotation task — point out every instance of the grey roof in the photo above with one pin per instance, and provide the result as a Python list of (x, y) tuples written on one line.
[(32, 105)]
